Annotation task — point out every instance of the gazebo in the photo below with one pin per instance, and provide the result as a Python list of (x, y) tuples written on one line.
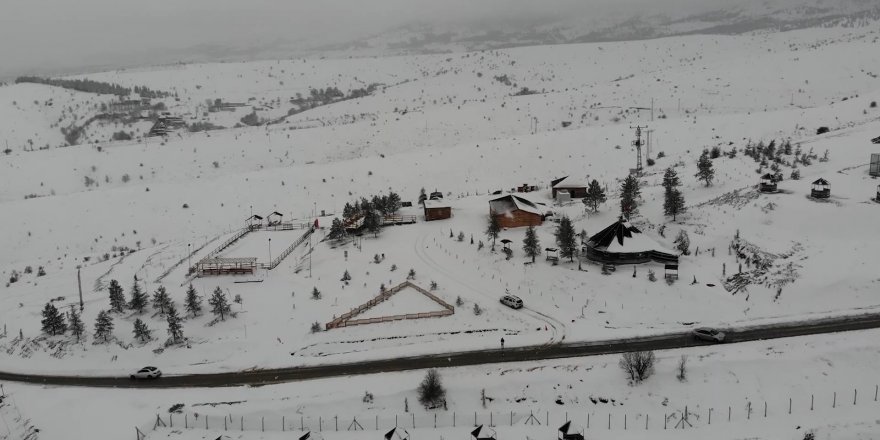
[(254, 221), (483, 433), (570, 432), (820, 190), (768, 183), (274, 218), (623, 243)]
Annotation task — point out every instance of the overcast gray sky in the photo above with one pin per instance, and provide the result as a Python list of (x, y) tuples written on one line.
[(48, 36)]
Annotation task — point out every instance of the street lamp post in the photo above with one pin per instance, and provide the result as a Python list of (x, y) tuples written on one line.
[(270, 257)]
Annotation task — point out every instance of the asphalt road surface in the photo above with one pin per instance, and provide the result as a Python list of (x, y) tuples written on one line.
[(458, 359)]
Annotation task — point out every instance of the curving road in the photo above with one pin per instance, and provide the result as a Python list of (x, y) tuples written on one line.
[(458, 359)]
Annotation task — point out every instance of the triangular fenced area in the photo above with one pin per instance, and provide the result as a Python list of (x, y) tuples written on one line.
[(349, 319)]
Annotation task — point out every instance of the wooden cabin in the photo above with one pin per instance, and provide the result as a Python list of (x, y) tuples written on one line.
[(821, 189), (437, 210), (576, 189), (768, 183), (874, 169), (514, 211)]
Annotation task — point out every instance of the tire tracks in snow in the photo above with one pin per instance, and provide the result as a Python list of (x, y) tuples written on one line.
[(556, 327)]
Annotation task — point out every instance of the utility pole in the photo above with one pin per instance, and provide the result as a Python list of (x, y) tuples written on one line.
[(652, 111), (638, 144), (79, 282), (648, 144)]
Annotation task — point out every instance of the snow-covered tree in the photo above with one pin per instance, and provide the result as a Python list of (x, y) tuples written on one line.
[(117, 300), (161, 300), (683, 242), (566, 239), (141, 331), (673, 200), (103, 326), (74, 322), (219, 304), (595, 196), (337, 230), (193, 302), (531, 244), (705, 172), (138, 298), (431, 391), (175, 324), (493, 229), (630, 191), (53, 322)]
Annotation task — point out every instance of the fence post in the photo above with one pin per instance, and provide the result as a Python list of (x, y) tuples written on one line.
[(395, 420), (728, 414), (710, 416), (283, 424), (414, 420), (491, 421), (435, 420), (566, 416), (588, 420), (646, 421), (170, 420), (876, 387), (834, 402), (186, 421), (511, 418), (475, 418), (336, 422), (321, 424), (302, 427), (855, 395), (206, 421), (749, 412), (263, 424), (765, 409), (609, 421), (548, 418), (241, 424), (624, 421), (665, 416), (224, 422), (812, 401), (453, 419)]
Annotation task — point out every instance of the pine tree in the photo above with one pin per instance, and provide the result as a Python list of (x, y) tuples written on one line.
[(531, 245), (141, 331), (565, 238), (673, 200), (372, 221), (74, 322), (683, 242), (431, 391), (53, 322), (629, 193), (161, 300), (705, 172), (175, 326), (219, 304), (393, 204), (117, 300), (493, 229), (337, 230), (193, 302), (138, 298), (595, 196), (103, 326), (422, 196)]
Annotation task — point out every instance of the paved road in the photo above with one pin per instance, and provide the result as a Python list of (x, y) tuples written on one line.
[(570, 350)]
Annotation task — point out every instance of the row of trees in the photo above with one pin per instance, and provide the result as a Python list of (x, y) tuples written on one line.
[(371, 211), (91, 86)]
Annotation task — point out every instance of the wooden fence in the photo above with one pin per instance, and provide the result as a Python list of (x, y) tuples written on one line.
[(277, 260), (345, 320)]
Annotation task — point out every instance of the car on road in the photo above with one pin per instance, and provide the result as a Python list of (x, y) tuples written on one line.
[(146, 373), (708, 334), (512, 301)]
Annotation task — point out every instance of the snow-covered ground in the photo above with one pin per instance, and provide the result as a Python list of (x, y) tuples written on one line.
[(451, 123), (726, 379)]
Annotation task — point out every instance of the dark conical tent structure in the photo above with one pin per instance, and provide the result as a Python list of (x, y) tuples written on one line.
[(483, 433), (569, 432), (623, 243)]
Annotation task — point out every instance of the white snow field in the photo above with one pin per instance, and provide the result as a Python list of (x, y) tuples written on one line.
[(455, 124)]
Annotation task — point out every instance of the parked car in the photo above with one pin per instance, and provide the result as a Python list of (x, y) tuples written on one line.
[(147, 373), (512, 301), (708, 334)]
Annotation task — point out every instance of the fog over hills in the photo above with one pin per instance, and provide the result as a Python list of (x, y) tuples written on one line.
[(94, 35)]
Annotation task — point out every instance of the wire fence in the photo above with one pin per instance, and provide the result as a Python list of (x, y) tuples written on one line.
[(589, 419)]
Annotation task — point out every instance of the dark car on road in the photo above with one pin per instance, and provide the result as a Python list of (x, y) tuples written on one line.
[(708, 334)]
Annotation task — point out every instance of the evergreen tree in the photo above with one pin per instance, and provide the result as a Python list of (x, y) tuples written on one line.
[(141, 331), (673, 200), (53, 322), (138, 298), (393, 204), (531, 245), (103, 326), (161, 300), (422, 196), (337, 230), (372, 221), (629, 193), (683, 242), (595, 196), (565, 238), (117, 300), (431, 391), (219, 304), (705, 172), (193, 301), (74, 322), (493, 229), (175, 325)]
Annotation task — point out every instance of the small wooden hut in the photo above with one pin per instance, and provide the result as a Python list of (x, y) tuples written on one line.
[(575, 189), (874, 169), (437, 210), (514, 211), (821, 189), (768, 183)]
